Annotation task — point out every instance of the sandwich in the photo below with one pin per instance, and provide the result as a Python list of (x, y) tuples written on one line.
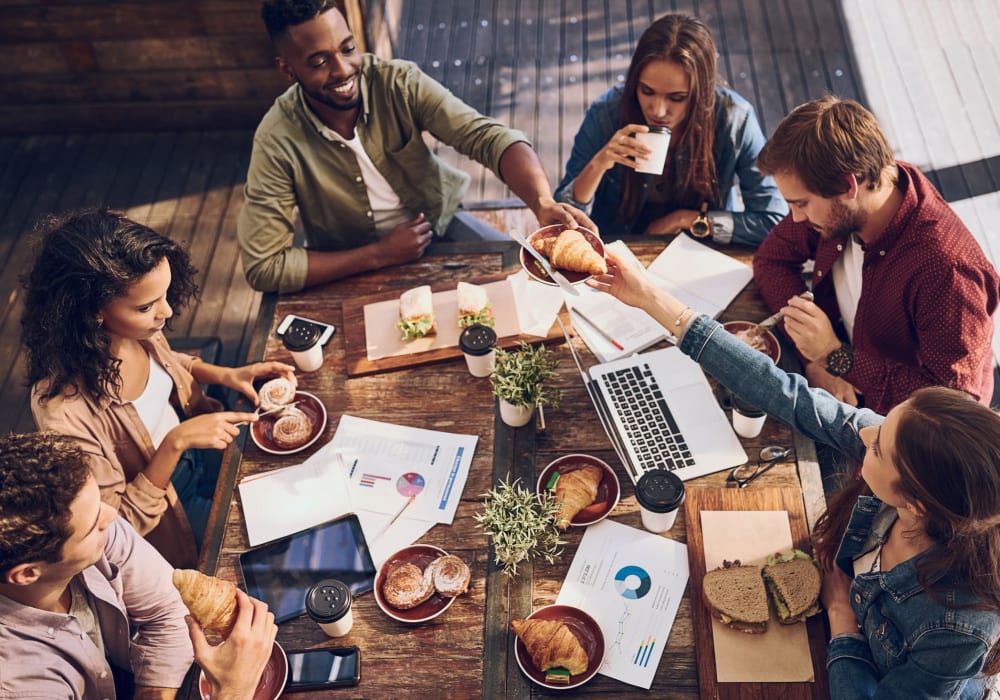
[(474, 306), (793, 582), (735, 595), (416, 313)]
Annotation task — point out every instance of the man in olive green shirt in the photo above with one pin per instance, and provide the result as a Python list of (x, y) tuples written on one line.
[(344, 145)]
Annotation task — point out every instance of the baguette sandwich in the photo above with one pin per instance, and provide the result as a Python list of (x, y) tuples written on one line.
[(736, 597), (416, 313), (474, 306), (793, 582)]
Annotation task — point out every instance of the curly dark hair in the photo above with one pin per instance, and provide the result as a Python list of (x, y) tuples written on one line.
[(85, 260), (279, 15), (41, 474)]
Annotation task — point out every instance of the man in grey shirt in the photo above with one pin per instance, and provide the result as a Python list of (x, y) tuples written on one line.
[(344, 146)]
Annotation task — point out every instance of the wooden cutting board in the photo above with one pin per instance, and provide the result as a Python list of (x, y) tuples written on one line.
[(748, 499), (356, 346)]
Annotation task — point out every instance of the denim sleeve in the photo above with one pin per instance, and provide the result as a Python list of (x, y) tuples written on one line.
[(597, 128), (939, 665), (763, 204), (787, 397)]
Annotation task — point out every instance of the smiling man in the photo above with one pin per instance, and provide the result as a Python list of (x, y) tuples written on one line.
[(904, 296), (344, 145)]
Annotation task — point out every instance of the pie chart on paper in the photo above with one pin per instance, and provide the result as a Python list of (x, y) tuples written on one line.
[(410, 484), (632, 582)]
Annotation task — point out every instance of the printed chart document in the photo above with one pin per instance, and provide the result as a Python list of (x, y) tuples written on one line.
[(631, 582)]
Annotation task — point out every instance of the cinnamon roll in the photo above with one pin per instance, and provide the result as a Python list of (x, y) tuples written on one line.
[(276, 393), (451, 575), (406, 586), (292, 428)]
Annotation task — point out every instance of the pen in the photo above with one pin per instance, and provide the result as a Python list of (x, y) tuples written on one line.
[(597, 328), (395, 517)]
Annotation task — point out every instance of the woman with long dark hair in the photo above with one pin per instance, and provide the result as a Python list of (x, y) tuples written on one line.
[(100, 293), (911, 584), (714, 141)]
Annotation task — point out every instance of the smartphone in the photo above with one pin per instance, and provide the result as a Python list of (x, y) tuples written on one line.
[(328, 328), (316, 669)]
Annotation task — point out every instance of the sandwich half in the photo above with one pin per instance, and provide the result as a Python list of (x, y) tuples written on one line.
[(416, 313), (474, 306), (793, 581), (736, 597)]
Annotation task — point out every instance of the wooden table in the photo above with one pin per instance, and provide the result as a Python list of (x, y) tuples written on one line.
[(468, 651)]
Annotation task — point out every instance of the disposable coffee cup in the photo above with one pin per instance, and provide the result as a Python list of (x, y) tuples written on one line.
[(660, 493), (748, 420), (303, 343), (658, 139), (478, 344), (328, 603)]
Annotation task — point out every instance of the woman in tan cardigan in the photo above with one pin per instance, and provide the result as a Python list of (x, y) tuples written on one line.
[(99, 295)]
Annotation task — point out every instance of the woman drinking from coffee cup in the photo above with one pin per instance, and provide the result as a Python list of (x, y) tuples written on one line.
[(99, 295), (713, 137), (910, 548)]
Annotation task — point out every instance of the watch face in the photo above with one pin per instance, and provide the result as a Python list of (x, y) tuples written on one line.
[(840, 361)]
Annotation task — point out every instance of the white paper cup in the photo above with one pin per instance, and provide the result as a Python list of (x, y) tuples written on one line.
[(329, 604), (748, 420), (478, 344), (304, 345), (658, 139), (309, 360), (660, 494)]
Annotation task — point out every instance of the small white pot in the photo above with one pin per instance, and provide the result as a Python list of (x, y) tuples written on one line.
[(515, 416)]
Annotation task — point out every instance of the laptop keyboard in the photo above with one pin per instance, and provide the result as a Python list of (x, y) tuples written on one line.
[(649, 425)]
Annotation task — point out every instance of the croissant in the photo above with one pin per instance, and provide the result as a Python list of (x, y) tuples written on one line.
[(211, 600), (551, 644), (575, 490), (570, 250)]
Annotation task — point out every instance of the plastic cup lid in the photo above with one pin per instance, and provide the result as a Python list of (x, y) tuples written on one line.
[(328, 601), (660, 491), (301, 338), (745, 408), (477, 340)]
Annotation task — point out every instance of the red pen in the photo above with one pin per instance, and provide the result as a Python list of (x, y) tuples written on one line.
[(597, 328)]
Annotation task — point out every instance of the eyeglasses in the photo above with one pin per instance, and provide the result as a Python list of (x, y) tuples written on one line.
[(743, 475)]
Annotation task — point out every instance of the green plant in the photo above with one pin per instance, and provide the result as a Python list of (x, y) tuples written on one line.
[(519, 376), (521, 524)]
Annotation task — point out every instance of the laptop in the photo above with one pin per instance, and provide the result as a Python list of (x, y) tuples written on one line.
[(659, 412)]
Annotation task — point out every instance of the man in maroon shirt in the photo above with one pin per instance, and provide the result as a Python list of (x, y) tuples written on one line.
[(904, 296)]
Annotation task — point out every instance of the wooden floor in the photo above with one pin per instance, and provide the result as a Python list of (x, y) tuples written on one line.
[(536, 65)]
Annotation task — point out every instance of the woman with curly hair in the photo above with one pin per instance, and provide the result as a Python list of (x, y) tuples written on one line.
[(714, 140), (99, 295), (909, 550)]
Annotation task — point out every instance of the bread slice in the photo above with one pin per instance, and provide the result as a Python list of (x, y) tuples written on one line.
[(736, 596), (416, 313), (794, 586), (474, 306)]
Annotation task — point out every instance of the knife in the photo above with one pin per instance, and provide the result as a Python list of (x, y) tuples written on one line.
[(557, 276), (772, 320)]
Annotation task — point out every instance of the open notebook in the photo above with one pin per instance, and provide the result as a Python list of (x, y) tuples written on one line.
[(700, 276)]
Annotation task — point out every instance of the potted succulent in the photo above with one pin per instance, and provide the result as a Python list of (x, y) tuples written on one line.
[(521, 524), (518, 381)]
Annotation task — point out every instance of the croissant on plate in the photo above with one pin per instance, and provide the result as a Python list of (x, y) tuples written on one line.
[(211, 600), (571, 250), (574, 491), (551, 644)]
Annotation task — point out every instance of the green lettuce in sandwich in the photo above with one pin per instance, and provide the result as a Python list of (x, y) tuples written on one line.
[(474, 306), (793, 582), (416, 313)]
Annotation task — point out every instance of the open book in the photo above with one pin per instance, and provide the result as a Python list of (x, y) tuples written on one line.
[(701, 277)]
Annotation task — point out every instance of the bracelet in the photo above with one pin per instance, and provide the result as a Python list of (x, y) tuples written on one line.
[(682, 315)]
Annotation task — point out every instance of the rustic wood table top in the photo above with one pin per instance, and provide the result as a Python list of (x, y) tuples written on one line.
[(468, 651)]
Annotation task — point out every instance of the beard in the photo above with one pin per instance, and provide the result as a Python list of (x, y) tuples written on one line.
[(842, 222)]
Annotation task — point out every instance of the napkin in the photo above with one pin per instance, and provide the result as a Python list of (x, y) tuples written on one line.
[(537, 304)]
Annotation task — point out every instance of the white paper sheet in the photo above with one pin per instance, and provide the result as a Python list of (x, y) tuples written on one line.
[(703, 278), (537, 304), (631, 581)]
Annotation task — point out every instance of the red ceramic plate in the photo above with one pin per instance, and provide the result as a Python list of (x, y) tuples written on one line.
[(608, 491), (771, 347), (586, 630), (272, 681), (534, 268), (421, 555), (261, 431)]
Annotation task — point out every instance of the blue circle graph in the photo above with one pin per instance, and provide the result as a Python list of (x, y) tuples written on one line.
[(632, 582)]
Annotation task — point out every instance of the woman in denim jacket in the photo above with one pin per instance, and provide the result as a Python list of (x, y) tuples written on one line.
[(714, 138), (910, 550)]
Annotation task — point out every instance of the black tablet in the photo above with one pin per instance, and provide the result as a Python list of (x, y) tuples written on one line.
[(281, 572)]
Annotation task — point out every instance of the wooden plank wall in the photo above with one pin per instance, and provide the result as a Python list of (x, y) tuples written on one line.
[(82, 65)]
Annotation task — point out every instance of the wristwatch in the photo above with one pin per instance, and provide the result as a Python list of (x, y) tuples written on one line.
[(701, 226), (840, 361)]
